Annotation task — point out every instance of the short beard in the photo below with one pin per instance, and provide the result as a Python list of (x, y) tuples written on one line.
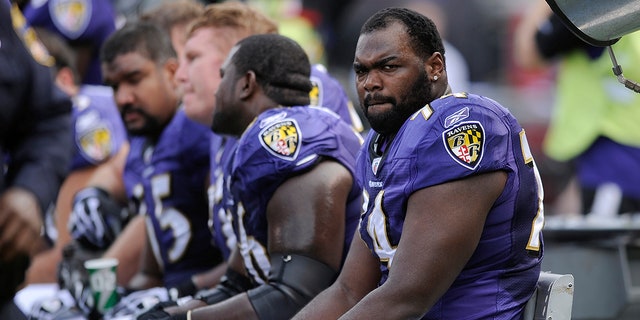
[(414, 99), (227, 124), (151, 128)]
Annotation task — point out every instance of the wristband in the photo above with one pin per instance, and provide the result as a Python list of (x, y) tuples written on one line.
[(184, 288)]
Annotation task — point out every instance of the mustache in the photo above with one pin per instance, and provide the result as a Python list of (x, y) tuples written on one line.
[(129, 108), (377, 98)]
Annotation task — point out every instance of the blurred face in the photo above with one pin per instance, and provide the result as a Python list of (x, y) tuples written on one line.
[(391, 80), (178, 38), (144, 92), (199, 72)]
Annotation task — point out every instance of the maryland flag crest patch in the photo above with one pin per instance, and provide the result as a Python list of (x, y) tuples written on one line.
[(71, 17), (465, 143), (282, 139), (96, 144)]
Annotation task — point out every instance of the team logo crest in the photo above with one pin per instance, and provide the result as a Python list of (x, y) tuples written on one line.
[(465, 143), (282, 139), (71, 16), (96, 144), (315, 93)]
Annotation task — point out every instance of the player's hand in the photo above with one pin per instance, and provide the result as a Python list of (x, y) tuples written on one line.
[(20, 224), (183, 289)]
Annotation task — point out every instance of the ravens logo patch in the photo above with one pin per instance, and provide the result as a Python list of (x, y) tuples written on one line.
[(465, 143), (96, 144), (71, 17), (282, 139)]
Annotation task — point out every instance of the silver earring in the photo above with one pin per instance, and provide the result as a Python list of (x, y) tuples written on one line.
[(435, 78)]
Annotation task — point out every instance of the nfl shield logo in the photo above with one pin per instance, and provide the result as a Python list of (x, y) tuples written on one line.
[(375, 164)]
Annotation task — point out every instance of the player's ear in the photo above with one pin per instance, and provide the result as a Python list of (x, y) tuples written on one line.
[(435, 65), (171, 66), (247, 84)]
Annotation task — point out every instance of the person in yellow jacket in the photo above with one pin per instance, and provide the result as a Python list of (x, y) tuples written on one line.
[(594, 123)]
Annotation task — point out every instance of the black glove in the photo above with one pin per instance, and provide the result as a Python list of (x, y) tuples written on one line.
[(96, 218), (183, 289)]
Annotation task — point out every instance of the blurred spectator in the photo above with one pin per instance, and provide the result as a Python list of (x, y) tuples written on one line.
[(34, 155), (324, 16), (97, 135), (131, 10), (84, 24), (594, 123), (482, 51), (293, 23), (457, 68)]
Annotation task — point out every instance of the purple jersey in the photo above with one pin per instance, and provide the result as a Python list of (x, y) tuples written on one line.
[(221, 207), (167, 181), (454, 137), (282, 143), (97, 133), (328, 92), (98, 130), (85, 22)]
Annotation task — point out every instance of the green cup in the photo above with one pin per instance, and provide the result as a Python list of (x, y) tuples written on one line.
[(103, 283)]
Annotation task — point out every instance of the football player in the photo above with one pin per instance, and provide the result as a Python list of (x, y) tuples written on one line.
[(167, 168), (291, 184), (453, 212)]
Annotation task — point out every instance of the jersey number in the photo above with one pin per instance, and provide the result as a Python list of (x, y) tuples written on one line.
[(256, 259), (168, 217), (377, 229), (538, 221)]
